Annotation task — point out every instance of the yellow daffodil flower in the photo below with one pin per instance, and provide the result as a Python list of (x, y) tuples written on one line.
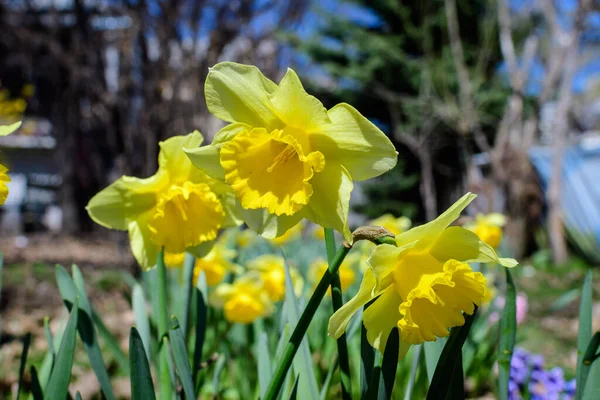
[(286, 156), (179, 208), (392, 224), (488, 227), (215, 264), (318, 233), (294, 233), (245, 238), (346, 272), (4, 178), (271, 268), (244, 300), (423, 285)]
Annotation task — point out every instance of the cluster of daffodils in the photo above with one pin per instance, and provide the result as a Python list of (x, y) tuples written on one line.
[(282, 159), (4, 178)]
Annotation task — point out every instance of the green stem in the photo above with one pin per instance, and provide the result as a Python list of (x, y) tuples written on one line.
[(166, 390), (188, 273), (338, 301), (300, 330)]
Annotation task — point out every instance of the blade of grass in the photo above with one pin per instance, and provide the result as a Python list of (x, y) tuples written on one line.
[(584, 334), (307, 385), (417, 350), (264, 363), (367, 359), (433, 350), (140, 312), (70, 289), (589, 366), (188, 286), (337, 301), (36, 387), (389, 365), (142, 387), (219, 366), (49, 339), (180, 354), (166, 387), (201, 316), (58, 383), (294, 394), (26, 342), (450, 357), (508, 333)]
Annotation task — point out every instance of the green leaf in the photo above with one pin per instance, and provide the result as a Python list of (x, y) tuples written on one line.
[(182, 362), (325, 388), (201, 316), (111, 342), (78, 396), (26, 342), (140, 312), (389, 365), (264, 363), (219, 366), (188, 286), (58, 383), (508, 333), (142, 387), (367, 360), (70, 289), (584, 334), (417, 350), (294, 394), (590, 366), (374, 383), (450, 358), (49, 339), (36, 387), (307, 386), (433, 351)]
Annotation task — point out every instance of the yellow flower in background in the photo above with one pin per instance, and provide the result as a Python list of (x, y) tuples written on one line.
[(4, 179), (294, 233), (216, 264), (179, 208), (392, 224), (286, 156), (245, 238), (488, 227), (244, 300), (271, 269), (423, 285), (174, 260), (318, 233), (346, 272)]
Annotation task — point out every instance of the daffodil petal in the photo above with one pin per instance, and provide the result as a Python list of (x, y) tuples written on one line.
[(142, 247), (297, 108), (463, 245), (172, 159), (381, 317), (356, 143), (330, 202), (126, 198), (8, 129), (240, 93), (268, 225), (383, 261), (206, 158), (228, 132), (340, 319), (431, 230)]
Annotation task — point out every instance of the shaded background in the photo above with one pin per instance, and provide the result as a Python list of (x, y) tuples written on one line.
[(501, 98)]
